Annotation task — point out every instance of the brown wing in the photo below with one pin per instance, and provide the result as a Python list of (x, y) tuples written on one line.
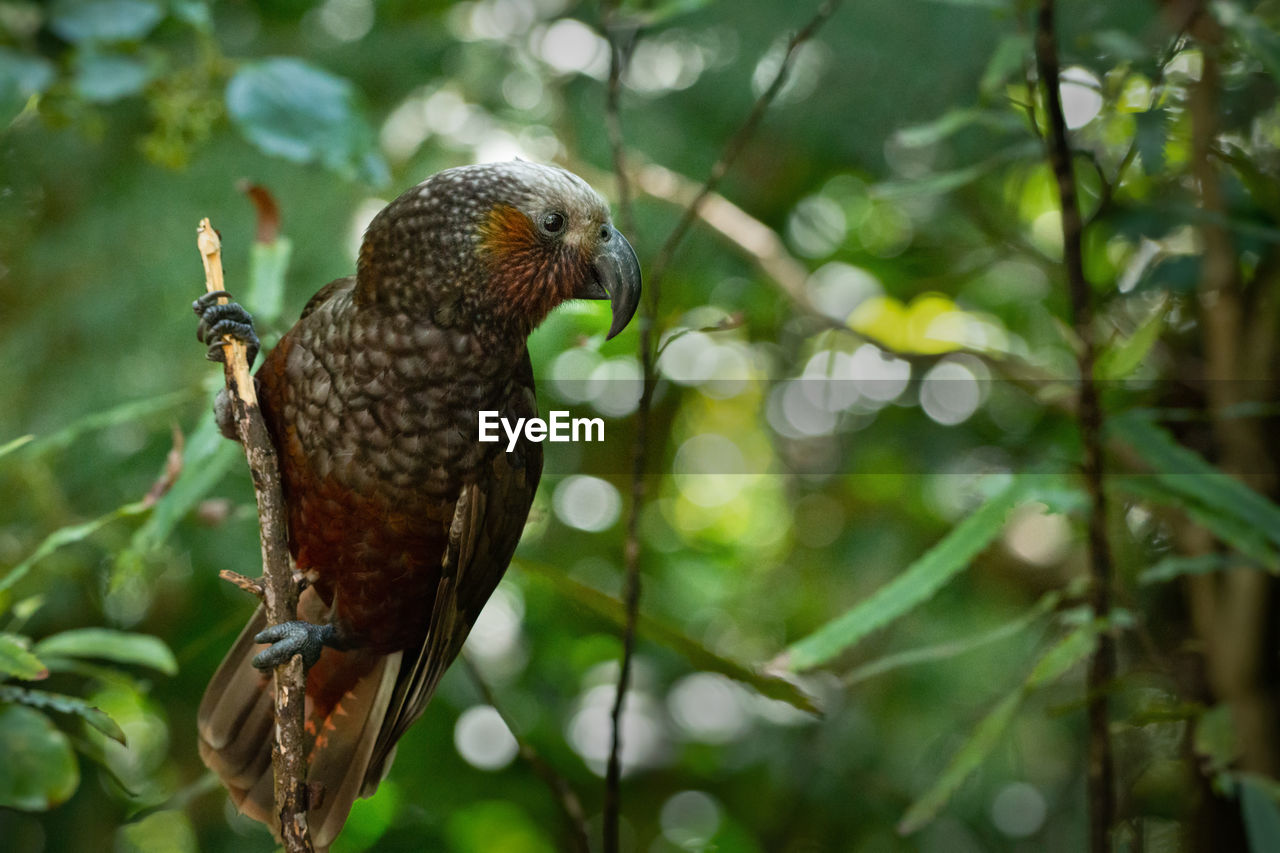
[(323, 294), (488, 520)]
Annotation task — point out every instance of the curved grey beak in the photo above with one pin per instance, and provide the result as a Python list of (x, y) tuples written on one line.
[(617, 278)]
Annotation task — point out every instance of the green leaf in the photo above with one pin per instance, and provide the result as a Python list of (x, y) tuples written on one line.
[(1262, 41), (951, 123), (940, 183), (1061, 657), (104, 20), (648, 13), (268, 263), (1010, 56), (1150, 136), (101, 78), (20, 441), (1189, 476), (984, 738), (205, 461), (699, 655), (64, 704), (1261, 814), (1174, 567), (955, 648), (1215, 739), (17, 661), (1121, 359), (39, 770), (133, 410), (169, 831), (1121, 45), (1230, 529), (21, 78), (108, 644), (291, 109), (68, 535), (914, 586)]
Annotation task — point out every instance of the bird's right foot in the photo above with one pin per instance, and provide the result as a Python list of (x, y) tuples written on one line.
[(226, 319)]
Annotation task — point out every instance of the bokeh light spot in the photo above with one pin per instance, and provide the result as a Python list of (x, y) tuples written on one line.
[(483, 739), (1018, 810), (587, 503), (690, 819)]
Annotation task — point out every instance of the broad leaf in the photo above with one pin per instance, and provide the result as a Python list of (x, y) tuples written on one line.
[(108, 644), (16, 660), (105, 20), (39, 770), (1261, 813), (1215, 740), (64, 704), (101, 78), (294, 110), (21, 78), (914, 586)]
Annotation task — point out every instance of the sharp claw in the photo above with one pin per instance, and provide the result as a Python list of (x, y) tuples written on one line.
[(226, 319), (292, 638)]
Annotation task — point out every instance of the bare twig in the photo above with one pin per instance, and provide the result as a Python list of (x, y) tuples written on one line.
[(565, 796), (1102, 666), (736, 144), (622, 37), (619, 55), (648, 318), (249, 585), (280, 593)]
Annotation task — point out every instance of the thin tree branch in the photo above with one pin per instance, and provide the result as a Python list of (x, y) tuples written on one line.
[(737, 143), (648, 317), (1102, 666), (619, 55), (622, 38), (280, 593), (564, 794)]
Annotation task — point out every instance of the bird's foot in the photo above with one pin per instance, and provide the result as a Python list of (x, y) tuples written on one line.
[(218, 320), (294, 638)]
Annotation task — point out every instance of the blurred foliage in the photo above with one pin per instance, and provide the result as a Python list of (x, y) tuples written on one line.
[(863, 468)]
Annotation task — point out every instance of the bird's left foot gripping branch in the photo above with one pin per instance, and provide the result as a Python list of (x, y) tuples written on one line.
[(399, 518)]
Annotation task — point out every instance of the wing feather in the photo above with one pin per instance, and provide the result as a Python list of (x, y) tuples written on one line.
[(488, 519)]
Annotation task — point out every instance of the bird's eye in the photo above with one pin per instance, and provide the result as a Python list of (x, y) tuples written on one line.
[(553, 223)]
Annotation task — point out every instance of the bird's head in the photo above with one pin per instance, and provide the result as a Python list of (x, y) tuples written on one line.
[(500, 243)]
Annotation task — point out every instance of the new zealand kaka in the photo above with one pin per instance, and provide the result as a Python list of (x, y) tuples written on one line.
[(399, 517)]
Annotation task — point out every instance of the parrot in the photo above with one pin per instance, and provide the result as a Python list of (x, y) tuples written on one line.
[(400, 521)]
